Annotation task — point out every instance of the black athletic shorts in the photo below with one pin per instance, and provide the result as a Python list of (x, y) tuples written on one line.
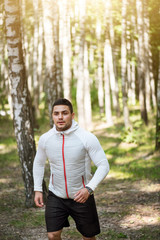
[(84, 215)]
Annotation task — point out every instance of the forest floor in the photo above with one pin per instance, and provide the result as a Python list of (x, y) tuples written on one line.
[(128, 200)]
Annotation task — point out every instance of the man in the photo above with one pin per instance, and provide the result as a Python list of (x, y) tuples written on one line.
[(69, 150)]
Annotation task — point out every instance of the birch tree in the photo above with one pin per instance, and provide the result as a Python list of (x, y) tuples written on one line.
[(158, 110), (112, 62), (141, 61), (51, 84), (80, 80), (66, 49), (22, 116), (124, 65), (108, 110), (100, 70)]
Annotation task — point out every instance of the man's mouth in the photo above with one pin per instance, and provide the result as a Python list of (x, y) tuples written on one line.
[(61, 122)]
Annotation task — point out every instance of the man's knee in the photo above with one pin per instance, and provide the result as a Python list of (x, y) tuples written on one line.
[(54, 235), (92, 238)]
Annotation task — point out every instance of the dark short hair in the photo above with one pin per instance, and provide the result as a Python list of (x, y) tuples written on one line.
[(63, 101)]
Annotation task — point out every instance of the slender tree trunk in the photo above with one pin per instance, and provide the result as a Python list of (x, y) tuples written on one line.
[(20, 97), (51, 84), (66, 50), (124, 66), (158, 111), (112, 68), (107, 51), (35, 60), (100, 71), (133, 54), (141, 59), (58, 54), (80, 80), (87, 96)]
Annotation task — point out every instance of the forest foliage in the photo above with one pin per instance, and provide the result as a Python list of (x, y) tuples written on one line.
[(104, 55)]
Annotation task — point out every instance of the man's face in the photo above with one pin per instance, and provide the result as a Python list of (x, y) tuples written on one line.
[(62, 117)]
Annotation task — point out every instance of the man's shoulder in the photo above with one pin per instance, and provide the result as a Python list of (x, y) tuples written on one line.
[(46, 135), (85, 134)]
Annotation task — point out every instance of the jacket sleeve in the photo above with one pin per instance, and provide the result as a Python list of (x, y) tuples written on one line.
[(98, 157), (39, 165)]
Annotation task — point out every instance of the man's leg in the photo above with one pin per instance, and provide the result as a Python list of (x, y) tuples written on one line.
[(92, 238), (55, 235)]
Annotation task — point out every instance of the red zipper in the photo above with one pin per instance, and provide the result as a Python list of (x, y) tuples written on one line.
[(83, 181), (65, 177)]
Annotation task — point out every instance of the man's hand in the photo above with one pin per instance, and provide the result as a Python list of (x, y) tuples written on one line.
[(38, 199), (81, 196)]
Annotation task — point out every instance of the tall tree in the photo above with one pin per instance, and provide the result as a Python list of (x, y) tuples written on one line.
[(87, 95), (107, 54), (112, 61), (51, 84), (141, 61), (20, 96), (99, 63), (158, 110), (124, 65), (80, 80), (66, 49)]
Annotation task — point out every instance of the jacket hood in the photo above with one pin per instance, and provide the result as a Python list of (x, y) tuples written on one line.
[(73, 127)]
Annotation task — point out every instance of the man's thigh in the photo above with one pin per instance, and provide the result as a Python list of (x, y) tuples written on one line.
[(86, 217), (56, 214)]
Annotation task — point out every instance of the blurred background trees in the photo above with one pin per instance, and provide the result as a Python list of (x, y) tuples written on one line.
[(101, 54)]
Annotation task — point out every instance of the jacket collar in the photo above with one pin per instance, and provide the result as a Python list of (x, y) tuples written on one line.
[(73, 127)]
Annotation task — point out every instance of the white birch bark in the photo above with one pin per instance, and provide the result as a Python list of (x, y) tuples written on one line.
[(87, 96), (80, 80), (100, 70), (58, 54), (108, 111), (141, 61), (66, 50), (157, 147), (20, 97), (35, 60), (51, 87), (112, 68), (124, 66)]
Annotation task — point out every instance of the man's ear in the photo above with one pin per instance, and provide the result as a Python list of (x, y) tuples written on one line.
[(73, 115)]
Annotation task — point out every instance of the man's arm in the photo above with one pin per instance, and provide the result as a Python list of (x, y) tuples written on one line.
[(98, 157), (38, 166)]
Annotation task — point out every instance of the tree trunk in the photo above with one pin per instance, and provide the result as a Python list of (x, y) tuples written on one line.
[(80, 80), (51, 84), (20, 97), (87, 96), (158, 111), (35, 60), (112, 68), (99, 70), (58, 54), (66, 50), (141, 60), (124, 66), (107, 51)]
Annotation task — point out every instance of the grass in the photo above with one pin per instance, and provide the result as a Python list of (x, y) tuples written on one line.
[(133, 162)]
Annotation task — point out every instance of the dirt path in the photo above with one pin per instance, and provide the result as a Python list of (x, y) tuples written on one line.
[(126, 211)]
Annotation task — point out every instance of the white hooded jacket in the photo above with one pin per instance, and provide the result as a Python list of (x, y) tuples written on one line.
[(69, 154)]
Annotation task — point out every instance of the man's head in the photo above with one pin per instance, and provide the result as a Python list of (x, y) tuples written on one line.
[(62, 114)]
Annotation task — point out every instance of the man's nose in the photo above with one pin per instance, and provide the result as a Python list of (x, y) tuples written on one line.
[(60, 115)]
